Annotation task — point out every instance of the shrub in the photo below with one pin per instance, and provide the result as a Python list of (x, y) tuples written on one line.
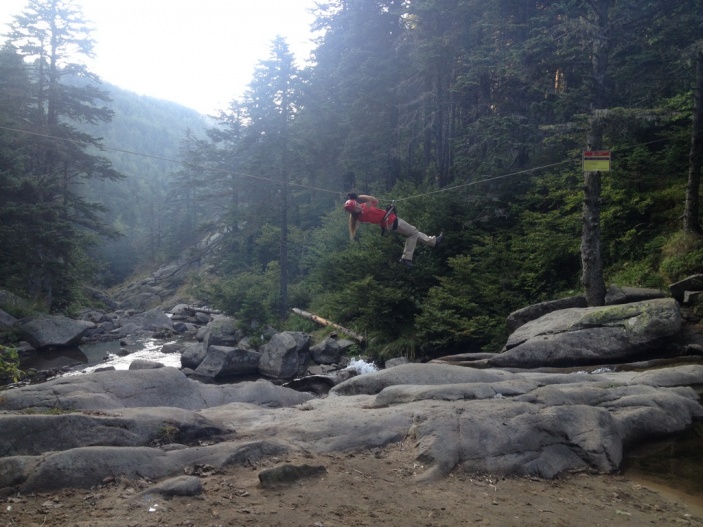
[(9, 365), (683, 256), (638, 274)]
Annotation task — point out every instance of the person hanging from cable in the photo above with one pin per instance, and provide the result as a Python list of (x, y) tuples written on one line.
[(363, 208)]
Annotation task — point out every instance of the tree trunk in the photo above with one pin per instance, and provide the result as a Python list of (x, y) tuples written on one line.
[(284, 246), (691, 209), (325, 322), (285, 175), (591, 258)]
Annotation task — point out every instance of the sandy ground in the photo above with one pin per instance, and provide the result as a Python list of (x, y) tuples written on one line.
[(369, 488)]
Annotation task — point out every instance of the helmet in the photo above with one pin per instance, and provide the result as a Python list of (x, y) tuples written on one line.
[(350, 205)]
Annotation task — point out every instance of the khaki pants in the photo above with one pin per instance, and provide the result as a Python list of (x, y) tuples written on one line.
[(412, 236)]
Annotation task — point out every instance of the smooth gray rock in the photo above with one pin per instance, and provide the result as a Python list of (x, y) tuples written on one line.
[(404, 393), (417, 374), (201, 334), (488, 421), (89, 466), (527, 314), (594, 335), (397, 361), (289, 474), (181, 310), (144, 364), (223, 331), (58, 331), (690, 283), (281, 356), (221, 362), (180, 486), (326, 352), (143, 388), (523, 439), (193, 354), (130, 427), (625, 295), (7, 320), (173, 347), (152, 320)]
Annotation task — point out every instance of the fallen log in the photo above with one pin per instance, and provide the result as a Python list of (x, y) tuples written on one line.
[(325, 322)]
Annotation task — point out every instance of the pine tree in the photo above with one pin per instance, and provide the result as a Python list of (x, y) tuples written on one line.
[(54, 40), (270, 106)]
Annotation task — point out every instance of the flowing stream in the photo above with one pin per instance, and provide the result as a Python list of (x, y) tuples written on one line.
[(92, 356)]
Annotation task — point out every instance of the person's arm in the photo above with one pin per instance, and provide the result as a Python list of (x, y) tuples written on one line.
[(364, 198)]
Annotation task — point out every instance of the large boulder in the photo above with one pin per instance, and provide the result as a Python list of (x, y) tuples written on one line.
[(594, 335), (327, 352), (527, 314), (7, 320), (152, 320), (223, 331), (54, 331), (193, 354), (627, 295), (690, 283), (285, 355), (222, 362)]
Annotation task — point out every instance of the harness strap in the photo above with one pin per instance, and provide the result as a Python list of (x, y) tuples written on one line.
[(390, 209)]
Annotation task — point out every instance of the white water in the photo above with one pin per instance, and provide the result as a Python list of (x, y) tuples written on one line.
[(361, 366), (151, 352)]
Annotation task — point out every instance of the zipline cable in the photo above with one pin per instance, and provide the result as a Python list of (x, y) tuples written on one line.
[(194, 165), (471, 183), (300, 185), (486, 180)]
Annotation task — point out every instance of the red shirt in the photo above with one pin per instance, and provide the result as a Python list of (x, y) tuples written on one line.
[(370, 214)]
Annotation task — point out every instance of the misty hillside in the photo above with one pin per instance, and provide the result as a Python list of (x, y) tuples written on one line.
[(142, 142), (148, 126)]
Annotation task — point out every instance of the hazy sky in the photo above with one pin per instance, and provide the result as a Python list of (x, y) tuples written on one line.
[(199, 53)]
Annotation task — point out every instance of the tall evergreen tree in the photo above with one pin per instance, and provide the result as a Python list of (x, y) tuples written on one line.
[(54, 40), (270, 105), (15, 197), (358, 65)]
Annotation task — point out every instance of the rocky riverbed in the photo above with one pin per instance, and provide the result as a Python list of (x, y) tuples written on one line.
[(152, 434)]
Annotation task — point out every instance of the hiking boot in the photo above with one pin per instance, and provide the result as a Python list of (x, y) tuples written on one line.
[(439, 239), (407, 263)]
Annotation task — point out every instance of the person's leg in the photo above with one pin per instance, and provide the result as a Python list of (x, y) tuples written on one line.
[(412, 237)]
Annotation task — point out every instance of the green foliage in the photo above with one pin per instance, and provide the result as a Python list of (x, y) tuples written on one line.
[(9, 365), (682, 256), (638, 274), (44, 211), (249, 297), (409, 346), (457, 314)]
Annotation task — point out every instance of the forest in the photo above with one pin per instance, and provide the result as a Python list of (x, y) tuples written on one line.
[(472, 116)]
